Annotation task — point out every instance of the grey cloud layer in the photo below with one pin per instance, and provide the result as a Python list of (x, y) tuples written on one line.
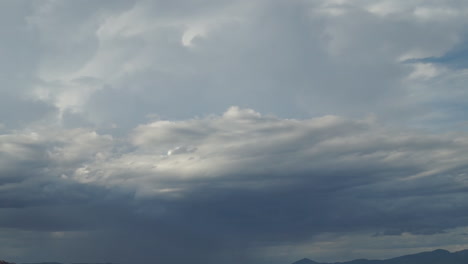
[(215, 183), (151, 56)]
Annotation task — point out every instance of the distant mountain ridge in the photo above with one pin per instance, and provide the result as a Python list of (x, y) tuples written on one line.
[(63, 263), (439, 256)]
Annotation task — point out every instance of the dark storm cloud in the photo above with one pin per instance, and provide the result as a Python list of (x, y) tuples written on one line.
[(227, 183), (331, 187)]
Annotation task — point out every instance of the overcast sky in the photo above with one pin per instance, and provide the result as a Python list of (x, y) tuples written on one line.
[(219, 131)]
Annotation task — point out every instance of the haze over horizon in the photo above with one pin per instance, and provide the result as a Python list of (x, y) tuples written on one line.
[(246, 131)]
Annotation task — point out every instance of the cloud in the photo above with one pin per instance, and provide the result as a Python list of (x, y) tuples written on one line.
[(305, 61), (244, 142), (231, 178), (115, 136)]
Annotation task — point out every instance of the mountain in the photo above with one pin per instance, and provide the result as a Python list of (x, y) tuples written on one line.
[(438, 256), (4, 262), (43, 263), (62, 263), (305, 261)]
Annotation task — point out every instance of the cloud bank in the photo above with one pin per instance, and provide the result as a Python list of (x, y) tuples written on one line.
[(231, 182), (231, 131)]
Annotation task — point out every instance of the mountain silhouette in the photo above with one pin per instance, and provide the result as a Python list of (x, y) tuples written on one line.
[(439, 256)]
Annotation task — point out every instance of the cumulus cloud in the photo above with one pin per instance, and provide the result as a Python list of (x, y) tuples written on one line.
[(243, 142), (236, 177)]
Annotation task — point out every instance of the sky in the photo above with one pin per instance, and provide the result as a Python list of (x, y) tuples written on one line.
[(216, 131)]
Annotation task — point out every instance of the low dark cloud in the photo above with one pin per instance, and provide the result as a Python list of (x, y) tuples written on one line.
[(248, 180)]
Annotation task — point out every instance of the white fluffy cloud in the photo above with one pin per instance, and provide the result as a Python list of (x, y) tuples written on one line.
[(242, 143)]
